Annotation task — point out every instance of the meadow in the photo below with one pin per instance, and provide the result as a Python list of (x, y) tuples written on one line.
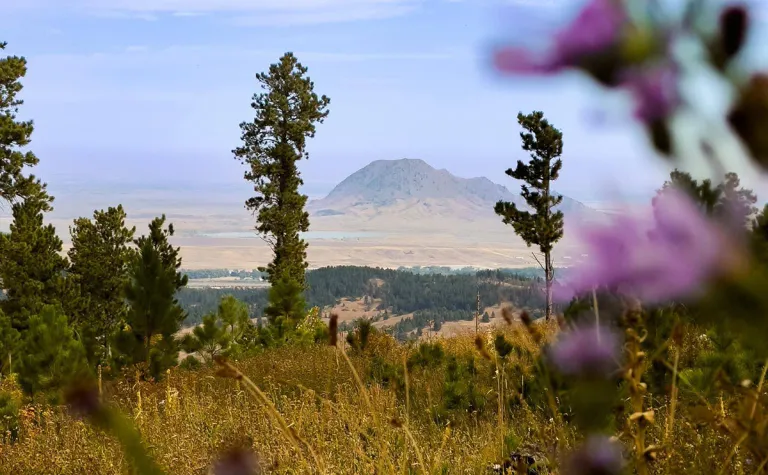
[(447, 418)]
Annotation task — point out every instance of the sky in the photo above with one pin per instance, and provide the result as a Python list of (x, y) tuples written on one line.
[(153, 91)]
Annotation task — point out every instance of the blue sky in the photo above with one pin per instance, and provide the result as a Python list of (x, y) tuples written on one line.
[(153, 90)]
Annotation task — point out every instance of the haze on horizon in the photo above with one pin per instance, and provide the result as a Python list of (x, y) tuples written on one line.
[(151, 93)]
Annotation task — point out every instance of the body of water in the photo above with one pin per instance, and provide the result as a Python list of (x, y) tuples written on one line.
[(311, 235)]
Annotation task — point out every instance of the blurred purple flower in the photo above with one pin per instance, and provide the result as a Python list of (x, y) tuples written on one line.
[(584, 352), (684, 249), (655, 91), (597, 28), (598, 455)]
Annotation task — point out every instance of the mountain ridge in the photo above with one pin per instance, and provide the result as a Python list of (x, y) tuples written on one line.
[(384, 184)]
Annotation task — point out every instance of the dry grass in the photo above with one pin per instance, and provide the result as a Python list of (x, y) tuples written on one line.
[(192, 416)]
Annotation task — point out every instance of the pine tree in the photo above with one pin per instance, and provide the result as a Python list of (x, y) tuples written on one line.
[(209, 339), (100, 259), (154, 315), (234, 316), (543, 226), (31, 269), (285, 309), (50, 356), (14, 136), (726, 200), (286, 114)]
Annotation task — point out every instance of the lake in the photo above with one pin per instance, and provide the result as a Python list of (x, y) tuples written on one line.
[(337, 235)]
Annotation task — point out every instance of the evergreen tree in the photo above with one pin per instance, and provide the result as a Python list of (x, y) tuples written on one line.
[(14, 136), (209, 339), (50, 356), (286, 114), (543, 226), (285, 309), (100, 260), (726, 200), (154, 315), (31, 269), (234, 316)]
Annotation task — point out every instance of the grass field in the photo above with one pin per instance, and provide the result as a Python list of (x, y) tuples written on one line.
[(343, 425)]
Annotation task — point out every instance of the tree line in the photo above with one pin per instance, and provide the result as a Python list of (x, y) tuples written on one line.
[(399, 291)]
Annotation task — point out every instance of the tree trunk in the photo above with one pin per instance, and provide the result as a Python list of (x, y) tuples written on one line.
[(548, 277)]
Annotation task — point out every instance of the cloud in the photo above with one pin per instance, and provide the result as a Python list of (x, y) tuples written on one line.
[(241, 12)]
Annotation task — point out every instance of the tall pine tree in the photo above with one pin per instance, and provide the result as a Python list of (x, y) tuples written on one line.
[(155, 315), (99, 264), (286, 114), (543, 225), (14, 136), (32, 268)]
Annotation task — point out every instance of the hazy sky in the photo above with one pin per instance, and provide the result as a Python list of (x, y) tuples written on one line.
[(154, 90)]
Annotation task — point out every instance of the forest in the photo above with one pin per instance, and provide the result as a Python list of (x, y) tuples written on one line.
[(434, 297)]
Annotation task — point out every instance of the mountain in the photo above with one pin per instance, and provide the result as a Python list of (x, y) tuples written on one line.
[(413, 188)]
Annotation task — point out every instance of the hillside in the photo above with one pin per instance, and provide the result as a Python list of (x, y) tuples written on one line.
[(407, 189)]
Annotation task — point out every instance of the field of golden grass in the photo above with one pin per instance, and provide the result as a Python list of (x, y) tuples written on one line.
[(350, 425)]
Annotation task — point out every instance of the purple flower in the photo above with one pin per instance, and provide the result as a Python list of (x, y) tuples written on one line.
[(655, 91), (597, 28), (598, 455), (685, 249), (587, 351)]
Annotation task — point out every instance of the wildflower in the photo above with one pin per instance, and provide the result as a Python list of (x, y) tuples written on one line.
[(655, 91), (586, 351), (597, 456), (597, 28), (684, 250)]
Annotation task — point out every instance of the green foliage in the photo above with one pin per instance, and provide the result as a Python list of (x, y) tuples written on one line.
[(286, 307), (9, 417), (15, 137), (228, 332), (433, 297), (155, 315), (286, 114), (209, 339), (485, 318), (726, 200), (234, 315), (190, 363), (359, 338), (502, 346), (460, 391), (429, 355), (100, 262), (543, 226), (50, 357), (10, 340), (31, 268)]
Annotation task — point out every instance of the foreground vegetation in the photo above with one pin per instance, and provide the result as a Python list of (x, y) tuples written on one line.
[(460, 412)]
